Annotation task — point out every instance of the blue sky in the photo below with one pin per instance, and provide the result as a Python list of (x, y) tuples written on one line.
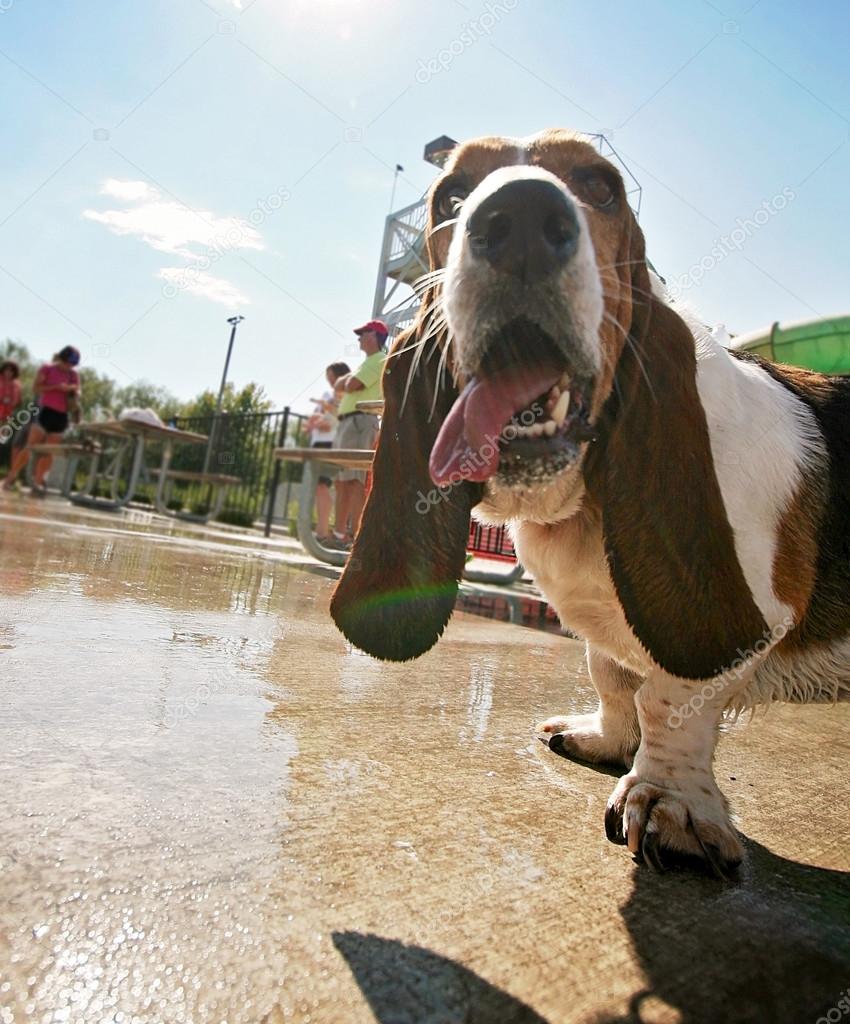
[(137, 133)]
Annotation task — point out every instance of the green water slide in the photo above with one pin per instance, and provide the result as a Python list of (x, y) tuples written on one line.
[(822, 345)]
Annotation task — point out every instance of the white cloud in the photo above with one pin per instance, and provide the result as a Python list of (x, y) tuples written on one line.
[(198, 282), (128, 189), (170, 227)]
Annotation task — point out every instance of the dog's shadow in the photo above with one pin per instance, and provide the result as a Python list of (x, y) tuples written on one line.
[(412, 985), (771, 946)]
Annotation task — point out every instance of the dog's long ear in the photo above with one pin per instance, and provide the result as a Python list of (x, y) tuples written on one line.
[(668, 540), (399, 587)]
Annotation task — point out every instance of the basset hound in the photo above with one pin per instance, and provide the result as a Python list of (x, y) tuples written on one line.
[(683, 507)]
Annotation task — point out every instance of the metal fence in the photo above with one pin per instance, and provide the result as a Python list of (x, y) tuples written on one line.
[(242, 446)]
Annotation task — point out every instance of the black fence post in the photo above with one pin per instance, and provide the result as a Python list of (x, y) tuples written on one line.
[(276, 473)]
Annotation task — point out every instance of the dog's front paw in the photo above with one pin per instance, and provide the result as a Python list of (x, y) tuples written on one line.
[(586, 738), (661, 824)]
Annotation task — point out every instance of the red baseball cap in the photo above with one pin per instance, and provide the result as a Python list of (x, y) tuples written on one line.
[(378, 326)]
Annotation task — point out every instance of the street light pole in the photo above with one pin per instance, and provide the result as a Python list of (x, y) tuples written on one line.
[(234, 322)]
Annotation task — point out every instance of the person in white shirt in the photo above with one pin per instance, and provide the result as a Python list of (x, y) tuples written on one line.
[(322, 426)]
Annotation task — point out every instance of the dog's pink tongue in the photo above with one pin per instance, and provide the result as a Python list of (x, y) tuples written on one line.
[(468, 442)]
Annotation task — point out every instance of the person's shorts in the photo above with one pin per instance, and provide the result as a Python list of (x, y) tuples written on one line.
[(326, 471), (356, 430), (52, 421)]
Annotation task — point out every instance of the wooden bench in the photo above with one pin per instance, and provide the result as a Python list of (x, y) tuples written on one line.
[(65, 448), (349, 458), (353, 458), (200, 478), (218, 482), (72, 451)]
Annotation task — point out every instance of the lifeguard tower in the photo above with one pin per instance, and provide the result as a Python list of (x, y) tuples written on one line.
[(403, 256)]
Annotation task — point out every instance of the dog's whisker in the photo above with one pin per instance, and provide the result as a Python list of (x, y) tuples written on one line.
[(434, 323), (627, 338), (443, 224), (430, 278), (620, 263), (441, 367), (633, 288)]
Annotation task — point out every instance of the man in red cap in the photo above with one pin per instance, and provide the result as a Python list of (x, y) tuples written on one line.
[(358, 429)]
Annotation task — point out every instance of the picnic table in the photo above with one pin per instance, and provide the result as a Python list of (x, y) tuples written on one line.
[(481, 545), (347, 458), (131, 436)]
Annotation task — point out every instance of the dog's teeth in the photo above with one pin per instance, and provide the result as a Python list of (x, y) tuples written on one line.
[(547, 428), (559, 413), (564, 382)]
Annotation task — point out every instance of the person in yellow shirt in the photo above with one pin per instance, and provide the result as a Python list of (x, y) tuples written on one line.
[(358, 429)]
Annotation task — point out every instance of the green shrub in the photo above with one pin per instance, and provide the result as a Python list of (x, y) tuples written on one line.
[(235, 517)]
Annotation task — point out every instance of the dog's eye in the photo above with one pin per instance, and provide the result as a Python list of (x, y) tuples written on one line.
[(449, 199), (596, 190)]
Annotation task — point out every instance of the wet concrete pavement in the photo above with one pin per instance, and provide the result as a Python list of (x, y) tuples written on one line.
[(214, 810)]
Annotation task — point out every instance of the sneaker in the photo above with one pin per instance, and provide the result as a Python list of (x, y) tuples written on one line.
[(38, 491), (339, 543), (11, 485)]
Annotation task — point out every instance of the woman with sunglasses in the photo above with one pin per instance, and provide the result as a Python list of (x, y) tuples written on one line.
[(57, 390)]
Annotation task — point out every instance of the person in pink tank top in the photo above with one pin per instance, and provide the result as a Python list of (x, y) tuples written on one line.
[(57, 385)]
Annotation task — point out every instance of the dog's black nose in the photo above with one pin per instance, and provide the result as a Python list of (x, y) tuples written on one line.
[(526, 227)]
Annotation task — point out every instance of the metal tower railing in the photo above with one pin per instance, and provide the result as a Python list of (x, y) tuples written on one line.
[(403, 262)]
